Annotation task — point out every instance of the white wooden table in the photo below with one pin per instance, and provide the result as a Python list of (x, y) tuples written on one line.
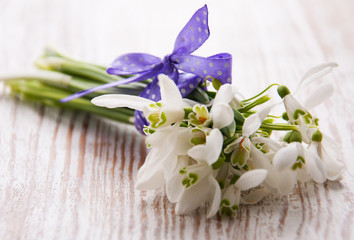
[(70, 175)]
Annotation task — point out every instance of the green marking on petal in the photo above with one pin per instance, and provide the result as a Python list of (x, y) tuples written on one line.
[(194, 177), (240, 157), (226, 209), (191, 179), (198, 136), (183, 171), (300, 161), (224, 202), (234, 207), (305, 115), (148, 131), (199, 116), (157, 119)]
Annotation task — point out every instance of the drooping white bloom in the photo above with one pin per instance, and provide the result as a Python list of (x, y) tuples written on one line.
[(163, 113), (327, 150), (294, 162), (298, 113), (241, 147), (232, 195), (166, 145), (192, 183)]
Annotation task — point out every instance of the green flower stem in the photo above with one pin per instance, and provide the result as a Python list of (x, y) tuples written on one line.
[(51, 52), (84, 70), (257, 102), (36, 91), (278, 126), (249, 99)]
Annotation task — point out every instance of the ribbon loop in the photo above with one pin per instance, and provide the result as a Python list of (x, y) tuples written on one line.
[(133, 63), (217, 66), (194, 33)]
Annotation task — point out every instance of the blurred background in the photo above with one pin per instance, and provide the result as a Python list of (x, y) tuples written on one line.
[(285, 37)]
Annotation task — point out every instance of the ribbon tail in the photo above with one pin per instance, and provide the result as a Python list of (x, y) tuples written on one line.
[(136, 78)]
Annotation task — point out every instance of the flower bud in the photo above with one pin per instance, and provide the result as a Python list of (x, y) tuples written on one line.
[(283, 91)]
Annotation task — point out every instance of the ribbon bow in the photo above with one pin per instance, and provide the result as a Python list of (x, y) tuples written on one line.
[(185, 69)]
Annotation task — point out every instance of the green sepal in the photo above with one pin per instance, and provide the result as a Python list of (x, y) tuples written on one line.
[(229, 131), (199, 95), (295, 136), (187, 111), (283, 91), (285, 116), (317, 136), (238, 116), (234, 179), (216, 83), (287, 137)]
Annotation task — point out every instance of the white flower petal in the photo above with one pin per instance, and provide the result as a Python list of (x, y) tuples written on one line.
[(192, 198), (222, 115), (210, 151), (170, 94), (261, 161), (251, 179), (253, 122), (150, 175), (214, 197), (174, 187), (224, 94), (334, 168), (315, 167), (286, 181), (121, 100), (285, 157), (322, 92), (255, 196), (274, 145), (317, 72), (291, 105)]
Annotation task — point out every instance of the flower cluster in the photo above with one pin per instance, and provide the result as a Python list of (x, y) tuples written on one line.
[(221, 153)]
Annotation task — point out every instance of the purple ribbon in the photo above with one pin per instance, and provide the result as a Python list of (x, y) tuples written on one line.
[(185, 69)]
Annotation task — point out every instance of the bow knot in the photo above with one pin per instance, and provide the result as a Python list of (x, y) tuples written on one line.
[(184, 68)]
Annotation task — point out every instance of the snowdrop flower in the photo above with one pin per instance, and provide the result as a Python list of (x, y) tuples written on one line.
[(232, 195), (166, 145), (294, 162), (193, 182), (298, 113), (163, 113), (327, 150), (241, 147), (200, 116)]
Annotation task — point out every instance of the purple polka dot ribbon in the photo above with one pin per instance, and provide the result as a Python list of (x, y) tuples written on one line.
[(185, 69)]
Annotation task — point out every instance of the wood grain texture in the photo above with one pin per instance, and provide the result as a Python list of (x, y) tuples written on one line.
[(70, 175)]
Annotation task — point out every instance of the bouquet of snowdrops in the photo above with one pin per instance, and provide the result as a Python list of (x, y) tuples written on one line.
[(208, 144)]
